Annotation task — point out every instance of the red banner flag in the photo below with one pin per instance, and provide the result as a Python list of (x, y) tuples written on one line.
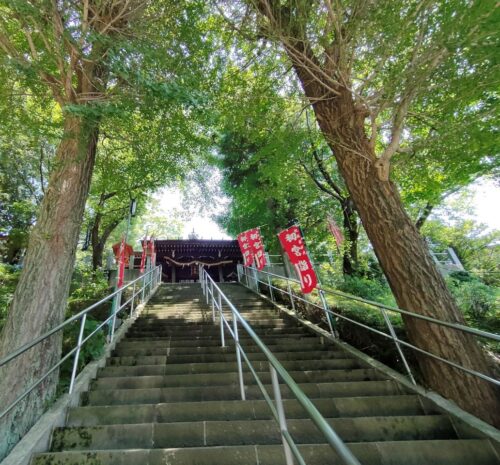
[(143, 257), (257, 247), (293, 244), (153, 252), (121, 264), (335, 230), (246, 248), (148, 249)]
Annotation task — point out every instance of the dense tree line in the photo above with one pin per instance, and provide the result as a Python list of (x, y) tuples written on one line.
[(371, 111)]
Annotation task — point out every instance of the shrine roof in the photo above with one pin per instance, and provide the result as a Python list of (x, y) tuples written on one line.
[(198, 248)]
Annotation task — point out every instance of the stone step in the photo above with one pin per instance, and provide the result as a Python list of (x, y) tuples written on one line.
[(278, 325), (273, 335), (253, 320), (152, 323), (185, 311), (396, 405), (268, 335), (246, 432), (428, 452), (202, 303), (218, 379), (212, 341), (183, 317), (205, 393), (170, 395), (228, 356), (224, 367), (248, 346), (151, 330), (205, 331)]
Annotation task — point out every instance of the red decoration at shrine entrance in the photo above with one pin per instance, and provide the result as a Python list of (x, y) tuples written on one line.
[(121, 263), (246, 249), (148, 249), (128, 250), (252, 247), (293, 243)]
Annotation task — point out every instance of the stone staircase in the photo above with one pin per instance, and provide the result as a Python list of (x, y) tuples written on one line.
[(169, 394)]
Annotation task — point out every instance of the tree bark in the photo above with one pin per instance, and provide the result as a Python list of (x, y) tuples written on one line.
[(98, 242), (97, 245), (424, 215), (350, 262), (40, 298), (414, 279)]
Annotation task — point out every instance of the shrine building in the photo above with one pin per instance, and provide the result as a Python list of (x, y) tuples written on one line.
[(180, 259)]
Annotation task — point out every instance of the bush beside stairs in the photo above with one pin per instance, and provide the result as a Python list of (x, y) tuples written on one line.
[(169, 395)]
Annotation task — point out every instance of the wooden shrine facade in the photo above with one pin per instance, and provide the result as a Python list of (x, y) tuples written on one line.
[(180, 259)]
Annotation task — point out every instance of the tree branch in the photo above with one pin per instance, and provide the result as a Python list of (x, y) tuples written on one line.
[(424, 215)]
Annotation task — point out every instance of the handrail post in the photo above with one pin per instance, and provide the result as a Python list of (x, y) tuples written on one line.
[(326, 309), (150, 284), (143, 289), (77, 353), (202, 282), (116, 310), (290, 294), (213, 300), (398, 347), (238, 357), (206, 283), (256, 279), (223, 342), (281, 414), (238, 270), (132, 304), (270, 287)]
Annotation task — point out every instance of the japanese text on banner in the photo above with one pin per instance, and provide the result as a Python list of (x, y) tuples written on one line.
[(257, 248), (293, 244), (246, 248)]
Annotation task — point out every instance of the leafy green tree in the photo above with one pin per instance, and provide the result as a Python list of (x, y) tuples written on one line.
[(275, 165), (26, 150), (365, 68), (98, 61)]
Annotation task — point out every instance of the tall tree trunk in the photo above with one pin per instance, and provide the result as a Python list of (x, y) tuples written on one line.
[(97, 254), (350, 263), (414, 279), (424, 215), (40, 298), (97, 245), (98, 242)]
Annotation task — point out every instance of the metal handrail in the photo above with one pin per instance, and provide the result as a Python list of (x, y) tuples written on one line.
[(150, 279), (210, 289), (242, 271), (457, 326)]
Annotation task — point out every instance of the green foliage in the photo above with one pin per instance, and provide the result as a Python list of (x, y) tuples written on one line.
[(476, 246), (367, 288), (9, 276), (26, 150), (90, 351), (87, 287), (477, 301), (87, 284)]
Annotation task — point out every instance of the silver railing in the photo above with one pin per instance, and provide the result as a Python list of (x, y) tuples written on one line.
[(252, 278), (216, 299), (144, 287)]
